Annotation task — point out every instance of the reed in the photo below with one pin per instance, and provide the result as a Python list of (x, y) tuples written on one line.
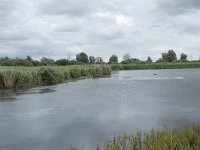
[(185, 138), (8, 79), (26, 77), (178, 65)]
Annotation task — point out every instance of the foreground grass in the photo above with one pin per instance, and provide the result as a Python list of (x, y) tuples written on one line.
[(185, 138), (147, 66), (25, 77)]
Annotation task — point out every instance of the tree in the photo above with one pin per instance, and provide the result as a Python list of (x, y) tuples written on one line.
[(92, 59), (149, 60), (62, 62), (164, 57), (21, 62), (113, 59), (183, 57), (29, 58), (99, 60), (126, 57), (36, 63), (82, 57), (47, 61), (171, 56)]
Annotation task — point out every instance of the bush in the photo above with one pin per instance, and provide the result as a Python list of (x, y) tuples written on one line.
[(50, 76)]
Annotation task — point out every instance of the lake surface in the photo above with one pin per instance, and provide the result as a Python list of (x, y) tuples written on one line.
[(88, 112)]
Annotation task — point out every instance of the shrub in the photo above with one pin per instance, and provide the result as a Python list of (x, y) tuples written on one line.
[(50, 76)]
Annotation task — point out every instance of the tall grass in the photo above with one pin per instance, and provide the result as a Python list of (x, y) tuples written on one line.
[(179, 65), (25, 77), (185, 138)]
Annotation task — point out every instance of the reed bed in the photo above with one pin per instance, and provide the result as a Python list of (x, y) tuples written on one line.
[(25, 77), (179, 65), (185, 138)]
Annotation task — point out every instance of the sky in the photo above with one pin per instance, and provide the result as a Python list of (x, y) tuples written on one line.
[(62, 28)]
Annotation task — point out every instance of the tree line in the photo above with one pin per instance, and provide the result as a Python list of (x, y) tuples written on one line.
[(83, 58)]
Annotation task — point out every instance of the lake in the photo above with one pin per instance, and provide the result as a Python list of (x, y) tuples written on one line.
[(90, 111)]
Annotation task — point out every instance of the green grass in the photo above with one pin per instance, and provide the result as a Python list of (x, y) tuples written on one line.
[(178, 65), (25, 77), (185, 138)]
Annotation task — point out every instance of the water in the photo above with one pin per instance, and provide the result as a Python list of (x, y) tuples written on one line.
[(88, 112)]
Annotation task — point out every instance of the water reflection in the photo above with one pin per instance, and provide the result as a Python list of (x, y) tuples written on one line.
[(7, 95), (10, 95)]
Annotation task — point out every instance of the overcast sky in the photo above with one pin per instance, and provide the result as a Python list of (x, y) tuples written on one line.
[(59, 28)]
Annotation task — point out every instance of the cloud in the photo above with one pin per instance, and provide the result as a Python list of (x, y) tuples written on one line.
[(58, 28), (124, 20), (178, 7)]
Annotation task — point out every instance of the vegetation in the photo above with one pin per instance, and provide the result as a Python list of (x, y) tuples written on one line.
[(170, 56), (82, 57), (49, 71), (183, 57), (185, 138), (163, 65), (92, 59), (113, 59), (24, 77)]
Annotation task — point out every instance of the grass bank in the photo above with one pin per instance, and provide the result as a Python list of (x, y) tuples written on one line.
[(25, 77), (185, 138), (179, 65)]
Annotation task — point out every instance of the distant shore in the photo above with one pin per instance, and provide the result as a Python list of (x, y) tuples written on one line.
[(16, 77), (147, 66)]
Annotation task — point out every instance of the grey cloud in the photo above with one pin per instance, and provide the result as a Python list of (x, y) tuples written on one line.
[(75, 8), (174, 7), (57, 28), (7, 8)]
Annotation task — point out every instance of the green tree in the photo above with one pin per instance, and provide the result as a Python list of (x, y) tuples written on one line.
[(82, 57), (183, 57), (92, 59), (29, 58), (126, 57), (113, 59), (99, 60), (171, 56), (131, 61), (21, 62), (47, 61), (149, 60), (164, 57), (62, 62), (36, 63)]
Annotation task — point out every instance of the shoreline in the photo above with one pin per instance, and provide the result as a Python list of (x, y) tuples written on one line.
[(14, 77)]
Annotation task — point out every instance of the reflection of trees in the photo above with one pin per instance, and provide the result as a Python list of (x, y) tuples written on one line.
[(11, 94), (7, 95), (47, 90)]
